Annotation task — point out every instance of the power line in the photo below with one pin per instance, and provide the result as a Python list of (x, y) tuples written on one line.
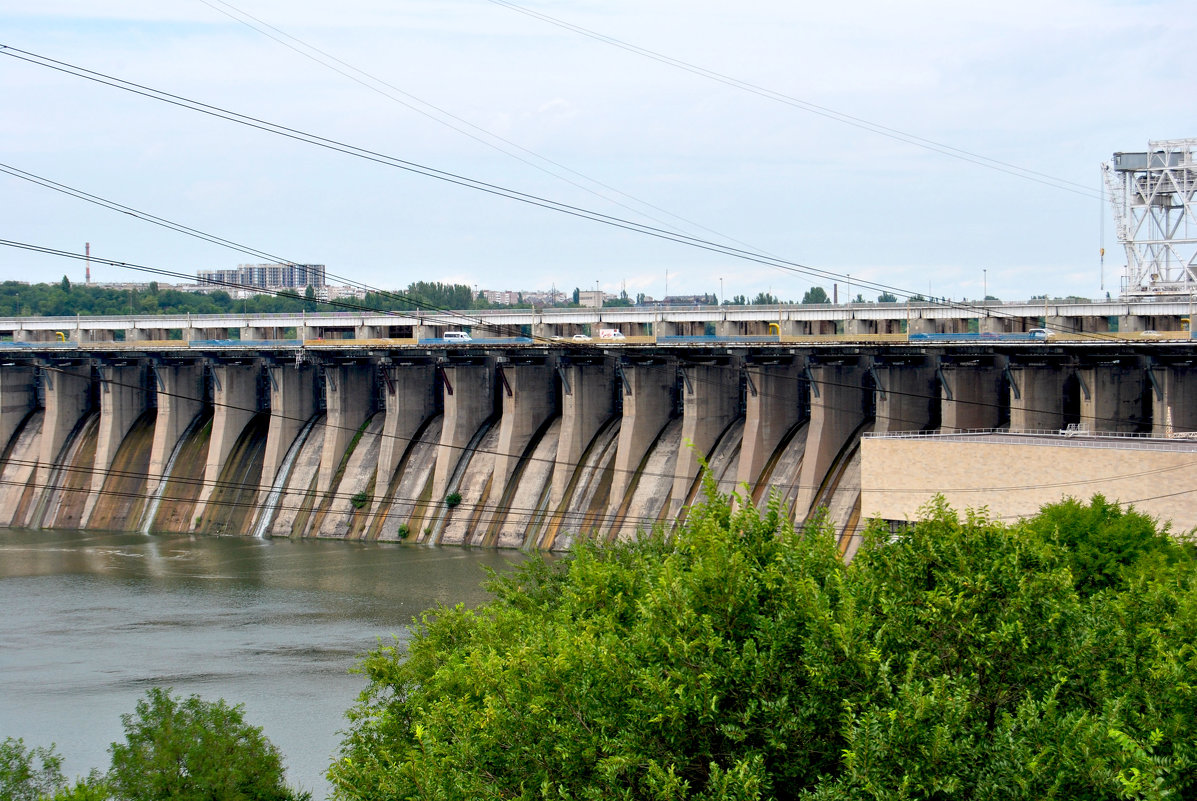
[(813, 108), (454, 178)]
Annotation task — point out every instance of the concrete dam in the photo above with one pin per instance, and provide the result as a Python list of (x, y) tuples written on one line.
[(527, 446)]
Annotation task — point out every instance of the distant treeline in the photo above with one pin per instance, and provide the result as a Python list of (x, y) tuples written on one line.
[(65, 299)]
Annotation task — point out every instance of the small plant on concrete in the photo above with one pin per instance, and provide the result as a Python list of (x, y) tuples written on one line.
[(452, 499), (359, 499), (404, 531)]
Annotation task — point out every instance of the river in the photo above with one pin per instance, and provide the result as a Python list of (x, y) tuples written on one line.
[(92, 620)]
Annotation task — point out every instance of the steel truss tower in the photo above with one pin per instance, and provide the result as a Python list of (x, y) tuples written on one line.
[(1156, 217)]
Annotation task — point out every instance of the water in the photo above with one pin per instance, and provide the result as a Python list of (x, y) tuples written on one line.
[(92, 620)]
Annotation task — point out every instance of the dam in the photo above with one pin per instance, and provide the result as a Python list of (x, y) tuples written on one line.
[(523, 443)]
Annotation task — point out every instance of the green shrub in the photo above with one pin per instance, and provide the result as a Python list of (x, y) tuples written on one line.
[(404, 531), (452, 499), (359, 499)]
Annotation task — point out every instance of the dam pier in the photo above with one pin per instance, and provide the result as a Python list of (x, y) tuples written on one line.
[(520, 443)]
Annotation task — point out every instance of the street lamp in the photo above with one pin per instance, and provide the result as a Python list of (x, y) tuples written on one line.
[(721, 295), (984, 284)]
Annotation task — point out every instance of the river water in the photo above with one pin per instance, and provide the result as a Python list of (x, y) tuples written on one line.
[(89, 621)]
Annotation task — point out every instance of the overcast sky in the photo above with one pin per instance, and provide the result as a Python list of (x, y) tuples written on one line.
[(1053, 87)]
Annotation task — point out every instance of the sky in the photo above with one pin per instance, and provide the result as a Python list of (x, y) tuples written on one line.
[(493, 91)]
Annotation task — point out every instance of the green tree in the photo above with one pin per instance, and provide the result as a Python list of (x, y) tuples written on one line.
[(189, 748), (816, 294), (28, 774), (886, 297), (741, 658)]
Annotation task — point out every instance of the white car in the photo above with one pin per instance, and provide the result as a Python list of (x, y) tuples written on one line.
[(581, 338), (1041, 333)]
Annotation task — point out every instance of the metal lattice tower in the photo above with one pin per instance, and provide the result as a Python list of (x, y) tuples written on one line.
[(1156, 217)]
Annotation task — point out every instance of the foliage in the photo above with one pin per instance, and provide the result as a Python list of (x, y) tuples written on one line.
[(359, 499), (742, 659), (887, 297), (453, 499), (816, 294), (28, 774), (189, 748)]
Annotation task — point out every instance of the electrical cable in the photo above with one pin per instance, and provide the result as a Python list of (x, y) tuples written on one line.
[(453, 178), (823, 111)]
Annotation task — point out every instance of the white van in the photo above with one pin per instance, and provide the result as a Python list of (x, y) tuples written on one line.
[(611, 333), (456, 336)]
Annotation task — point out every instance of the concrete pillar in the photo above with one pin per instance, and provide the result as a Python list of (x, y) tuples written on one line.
[(122, 400), (858, 327), (772, 409), (920, 325), (469, 401), (587, 401), (528, 395), (1131, 323), (710, 402), (349, 399), (17, 398), (410, 398), (665, 328), (1037, 397), (647, 407), (969, 396), (1112, 397), (235, 402), (1176, 412), (836, 410), (905, 396), (993, 325), (68, 399), (292, 405)]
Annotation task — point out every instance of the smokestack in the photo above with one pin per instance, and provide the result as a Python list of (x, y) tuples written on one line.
[(87, 269)]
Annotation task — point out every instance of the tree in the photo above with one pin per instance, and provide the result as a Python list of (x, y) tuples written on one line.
[(28, 774), (886, 297), (192, 749), (741, 658), (816, 294), (577, 296)]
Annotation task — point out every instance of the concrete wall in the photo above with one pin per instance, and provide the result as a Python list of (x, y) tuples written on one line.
[(17, 399), (467, 407), (587, 401), (899, 476), (836, 410)]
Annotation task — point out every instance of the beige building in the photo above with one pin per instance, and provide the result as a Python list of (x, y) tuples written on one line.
[(1014, 474)]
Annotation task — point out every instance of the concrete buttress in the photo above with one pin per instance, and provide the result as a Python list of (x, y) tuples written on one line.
[(587, 401), (710, 402), (292, 404), (349, 397), (1112, 396), (905, 395), (772, 409), (122, 400), (17, 398), (529, 398), (235, 402), (647, 407), (68, 398), (837, 408), (1176, 411), (469, 401), (1036, 397), (969, 396), (410, 399)]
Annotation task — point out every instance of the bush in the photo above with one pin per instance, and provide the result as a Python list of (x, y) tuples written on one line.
[(404, 531), (452, 499), (359, 499), (190, 749)]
